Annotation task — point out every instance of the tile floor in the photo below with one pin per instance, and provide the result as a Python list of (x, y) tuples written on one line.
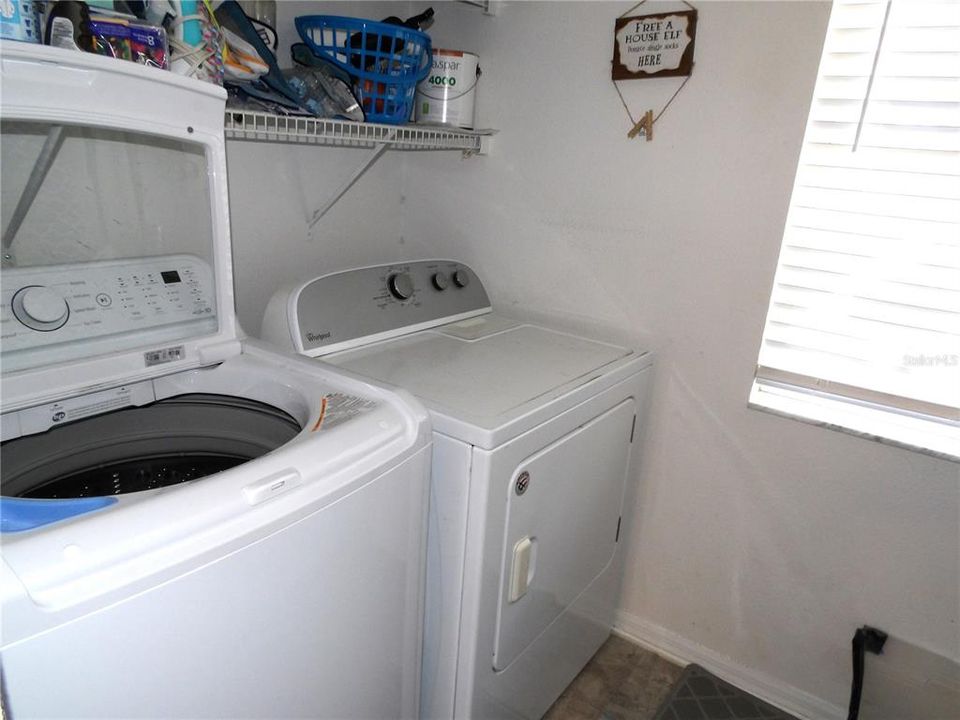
[(621, 682)]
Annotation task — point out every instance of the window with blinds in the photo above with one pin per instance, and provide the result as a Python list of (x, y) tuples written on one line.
[(863, 327)]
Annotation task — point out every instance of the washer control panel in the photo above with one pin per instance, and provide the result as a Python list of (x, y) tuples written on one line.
[(353, 307), (83, 302)]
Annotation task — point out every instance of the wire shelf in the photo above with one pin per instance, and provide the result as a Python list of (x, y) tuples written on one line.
[(266, 127)]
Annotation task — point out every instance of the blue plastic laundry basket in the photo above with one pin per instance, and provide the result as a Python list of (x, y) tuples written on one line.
[(385, 61)]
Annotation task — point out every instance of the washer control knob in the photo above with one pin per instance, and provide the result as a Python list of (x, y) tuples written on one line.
[(440, 281), (40, 308), (401, 286), (461, 278)]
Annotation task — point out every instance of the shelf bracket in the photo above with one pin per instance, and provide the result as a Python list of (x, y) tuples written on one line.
[(486, 143), (358, 173), (48, 154)]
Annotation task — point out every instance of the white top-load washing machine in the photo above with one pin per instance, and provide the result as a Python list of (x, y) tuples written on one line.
[(533, 444), (193, 525)]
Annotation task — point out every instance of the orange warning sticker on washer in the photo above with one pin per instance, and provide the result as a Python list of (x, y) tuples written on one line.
[(338, 408)]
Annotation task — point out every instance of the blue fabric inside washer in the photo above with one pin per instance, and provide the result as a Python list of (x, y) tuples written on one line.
[(20, 514)]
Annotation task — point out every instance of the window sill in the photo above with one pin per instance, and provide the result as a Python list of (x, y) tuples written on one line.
[(911, 431)]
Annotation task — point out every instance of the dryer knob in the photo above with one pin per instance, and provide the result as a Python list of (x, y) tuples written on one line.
[(401, 286), (440, 281), (461, 278), (40, 308)]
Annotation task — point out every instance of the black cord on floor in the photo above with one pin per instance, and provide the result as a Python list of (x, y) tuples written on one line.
[(865, 639)]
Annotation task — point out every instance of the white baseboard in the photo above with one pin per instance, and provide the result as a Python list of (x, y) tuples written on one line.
[(683, 651)]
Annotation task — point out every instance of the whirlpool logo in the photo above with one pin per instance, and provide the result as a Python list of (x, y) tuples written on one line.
[(318, 337)]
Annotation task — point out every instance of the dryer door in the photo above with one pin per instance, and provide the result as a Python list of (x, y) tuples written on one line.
[(563, 510)]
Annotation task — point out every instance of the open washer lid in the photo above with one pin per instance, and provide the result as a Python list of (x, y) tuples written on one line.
[(116, 245)]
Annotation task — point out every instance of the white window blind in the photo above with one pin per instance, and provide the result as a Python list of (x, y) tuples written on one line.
[(863, 327)]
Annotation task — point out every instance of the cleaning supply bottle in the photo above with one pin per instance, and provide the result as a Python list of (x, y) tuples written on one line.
[(68, 26)]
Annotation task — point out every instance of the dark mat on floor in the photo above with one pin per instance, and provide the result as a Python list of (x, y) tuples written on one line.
[(701, 695)]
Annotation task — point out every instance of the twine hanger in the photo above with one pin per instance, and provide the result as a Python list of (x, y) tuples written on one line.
[(645, 124)]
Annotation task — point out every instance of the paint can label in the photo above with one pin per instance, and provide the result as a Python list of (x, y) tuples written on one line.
[(447, 96)]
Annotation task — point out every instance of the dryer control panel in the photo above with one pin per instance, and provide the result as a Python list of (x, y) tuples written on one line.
[(347, 309), (49, 308)]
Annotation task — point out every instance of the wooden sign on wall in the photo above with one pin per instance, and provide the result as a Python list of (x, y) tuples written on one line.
[(649, 46)]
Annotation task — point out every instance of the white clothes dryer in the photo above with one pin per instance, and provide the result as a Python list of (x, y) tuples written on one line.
[(533, 449), (193, 525)]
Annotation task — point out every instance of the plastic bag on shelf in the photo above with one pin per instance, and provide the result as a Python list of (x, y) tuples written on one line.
[(241, 61), (323, 94), (74, 26)]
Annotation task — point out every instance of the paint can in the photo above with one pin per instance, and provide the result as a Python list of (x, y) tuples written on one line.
[(447, 95)]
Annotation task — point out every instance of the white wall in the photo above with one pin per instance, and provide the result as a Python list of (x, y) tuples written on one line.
[(755, 538)]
